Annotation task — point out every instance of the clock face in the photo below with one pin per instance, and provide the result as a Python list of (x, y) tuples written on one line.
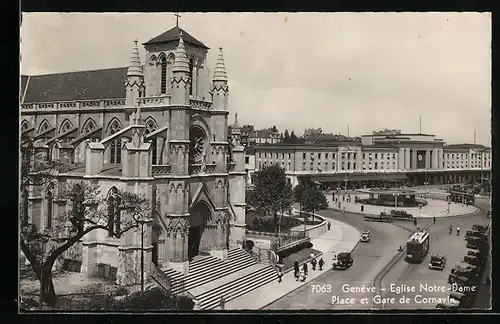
[(420, 157), (197, 145)]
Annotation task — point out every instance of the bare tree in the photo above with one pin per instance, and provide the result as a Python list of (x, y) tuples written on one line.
[(86, 211)]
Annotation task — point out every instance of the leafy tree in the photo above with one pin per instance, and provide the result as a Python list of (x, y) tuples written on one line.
[(272, 193), (293, 138), (274, 129), (286, 136), (86, 211), (311, 196)]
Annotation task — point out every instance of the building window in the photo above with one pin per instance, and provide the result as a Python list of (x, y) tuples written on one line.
[(289, 155), (163, 75), (311, 166), (304, 156), (348, 165), (276, 155), (354, 155), (354, 165), (247, 159), (333, 156), (282, 155), (289, 165), (319, 155), (376, 165), (115, 147), (114, 219), (376, 155), (151, 127), (50, 200), (364, 156)]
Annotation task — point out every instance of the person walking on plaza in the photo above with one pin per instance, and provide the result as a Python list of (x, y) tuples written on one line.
[(343, 210), (280, 275), (321, 263), (304, 267), (434, 220), (302, 276), (313, 264), (296, 270), (458, 230), (362, 208), (415, 221), (329, 225), (451, 229)]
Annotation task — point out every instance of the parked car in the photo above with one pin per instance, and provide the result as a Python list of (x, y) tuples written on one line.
[(344, 261), (365, 236), (480, 228), (472, 260), (438, 261)]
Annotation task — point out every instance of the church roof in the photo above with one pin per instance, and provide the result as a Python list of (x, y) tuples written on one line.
[(69, 86), (172, 35)]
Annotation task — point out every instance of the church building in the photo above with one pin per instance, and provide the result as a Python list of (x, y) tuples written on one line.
[(158, 128)]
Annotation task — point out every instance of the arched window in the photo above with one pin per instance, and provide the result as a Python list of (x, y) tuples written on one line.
[(65, 126), (151, 127), (114, 214), (89, 126), (44, 126), (191, 63), (50, 200), (24, 210), (24, 126), (115, 147), (163, 74)]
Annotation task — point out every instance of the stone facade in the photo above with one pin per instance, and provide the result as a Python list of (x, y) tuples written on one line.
[(167, 138)]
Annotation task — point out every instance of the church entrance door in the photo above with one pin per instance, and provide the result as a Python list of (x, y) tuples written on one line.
[(194, 241), (198, 233)]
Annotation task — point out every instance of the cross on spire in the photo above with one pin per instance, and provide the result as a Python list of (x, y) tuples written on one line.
[(177, 19), (136, 41)]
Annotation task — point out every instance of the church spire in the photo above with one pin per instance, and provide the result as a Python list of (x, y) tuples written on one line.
[(236, 125), (220, 69), (135, 68), (181, 63)]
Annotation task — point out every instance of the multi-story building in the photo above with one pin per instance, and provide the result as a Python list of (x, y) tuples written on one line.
[(263, 136), (158, 129), (379, 157)]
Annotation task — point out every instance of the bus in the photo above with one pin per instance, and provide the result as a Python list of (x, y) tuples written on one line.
[(417, 247)]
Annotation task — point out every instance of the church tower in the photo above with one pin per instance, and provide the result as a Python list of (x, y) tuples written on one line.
[(178, 192)]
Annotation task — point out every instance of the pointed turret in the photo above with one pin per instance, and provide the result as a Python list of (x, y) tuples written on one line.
[(180, 83), (181, 63), (134, 85), (220, 90), (135, 68), (220, 69), (235, 132)]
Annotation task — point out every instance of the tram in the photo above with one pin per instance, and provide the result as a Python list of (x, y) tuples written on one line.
[(417, 247)]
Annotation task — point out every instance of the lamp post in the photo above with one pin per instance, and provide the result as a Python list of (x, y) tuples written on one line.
[(142, 256)]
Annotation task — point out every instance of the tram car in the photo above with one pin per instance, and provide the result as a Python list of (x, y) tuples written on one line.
[(417, 247)]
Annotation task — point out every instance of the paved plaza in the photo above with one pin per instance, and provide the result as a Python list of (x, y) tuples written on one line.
[(434, 208)]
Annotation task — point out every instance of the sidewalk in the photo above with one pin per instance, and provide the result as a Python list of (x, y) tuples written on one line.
[(435, 208), (342, 237)]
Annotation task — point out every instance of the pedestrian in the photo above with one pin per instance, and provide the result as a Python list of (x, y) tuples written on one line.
[(280, 275), (304, 267), (321, 263), (313, 264), (362, 208), (458, 230), (343, 210), (451, 229), (296, 269), (302, 276), (434, 220), (329, 225), (415, 221), (343, 198), (222, 303)]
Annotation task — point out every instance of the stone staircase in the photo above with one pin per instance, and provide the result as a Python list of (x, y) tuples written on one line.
[(221, 278)]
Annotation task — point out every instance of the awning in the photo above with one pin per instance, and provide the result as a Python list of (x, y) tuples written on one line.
[(356, 177)]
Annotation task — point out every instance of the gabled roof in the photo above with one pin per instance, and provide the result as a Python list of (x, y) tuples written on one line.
[(24, 81), (81, 85), (172, 35)]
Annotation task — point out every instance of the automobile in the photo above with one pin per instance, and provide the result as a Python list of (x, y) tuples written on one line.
[(472, 260), (476, 253), (438, 261), (344, 261), (446, 306), (478, 234), (476, 243), (480, 228), (460, 279), (365, 236), (461, 299)]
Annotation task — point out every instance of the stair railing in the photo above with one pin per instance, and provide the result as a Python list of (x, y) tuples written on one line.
[(160, 277)]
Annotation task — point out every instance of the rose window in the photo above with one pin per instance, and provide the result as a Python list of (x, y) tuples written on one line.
[(197, 145)]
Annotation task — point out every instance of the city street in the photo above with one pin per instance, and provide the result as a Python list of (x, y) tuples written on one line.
[(451, 246), (369, 260)]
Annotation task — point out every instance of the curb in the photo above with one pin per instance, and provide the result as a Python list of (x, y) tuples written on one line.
[(304, 283)]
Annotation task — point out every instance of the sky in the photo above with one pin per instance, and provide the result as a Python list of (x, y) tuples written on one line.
[(370, 71)]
